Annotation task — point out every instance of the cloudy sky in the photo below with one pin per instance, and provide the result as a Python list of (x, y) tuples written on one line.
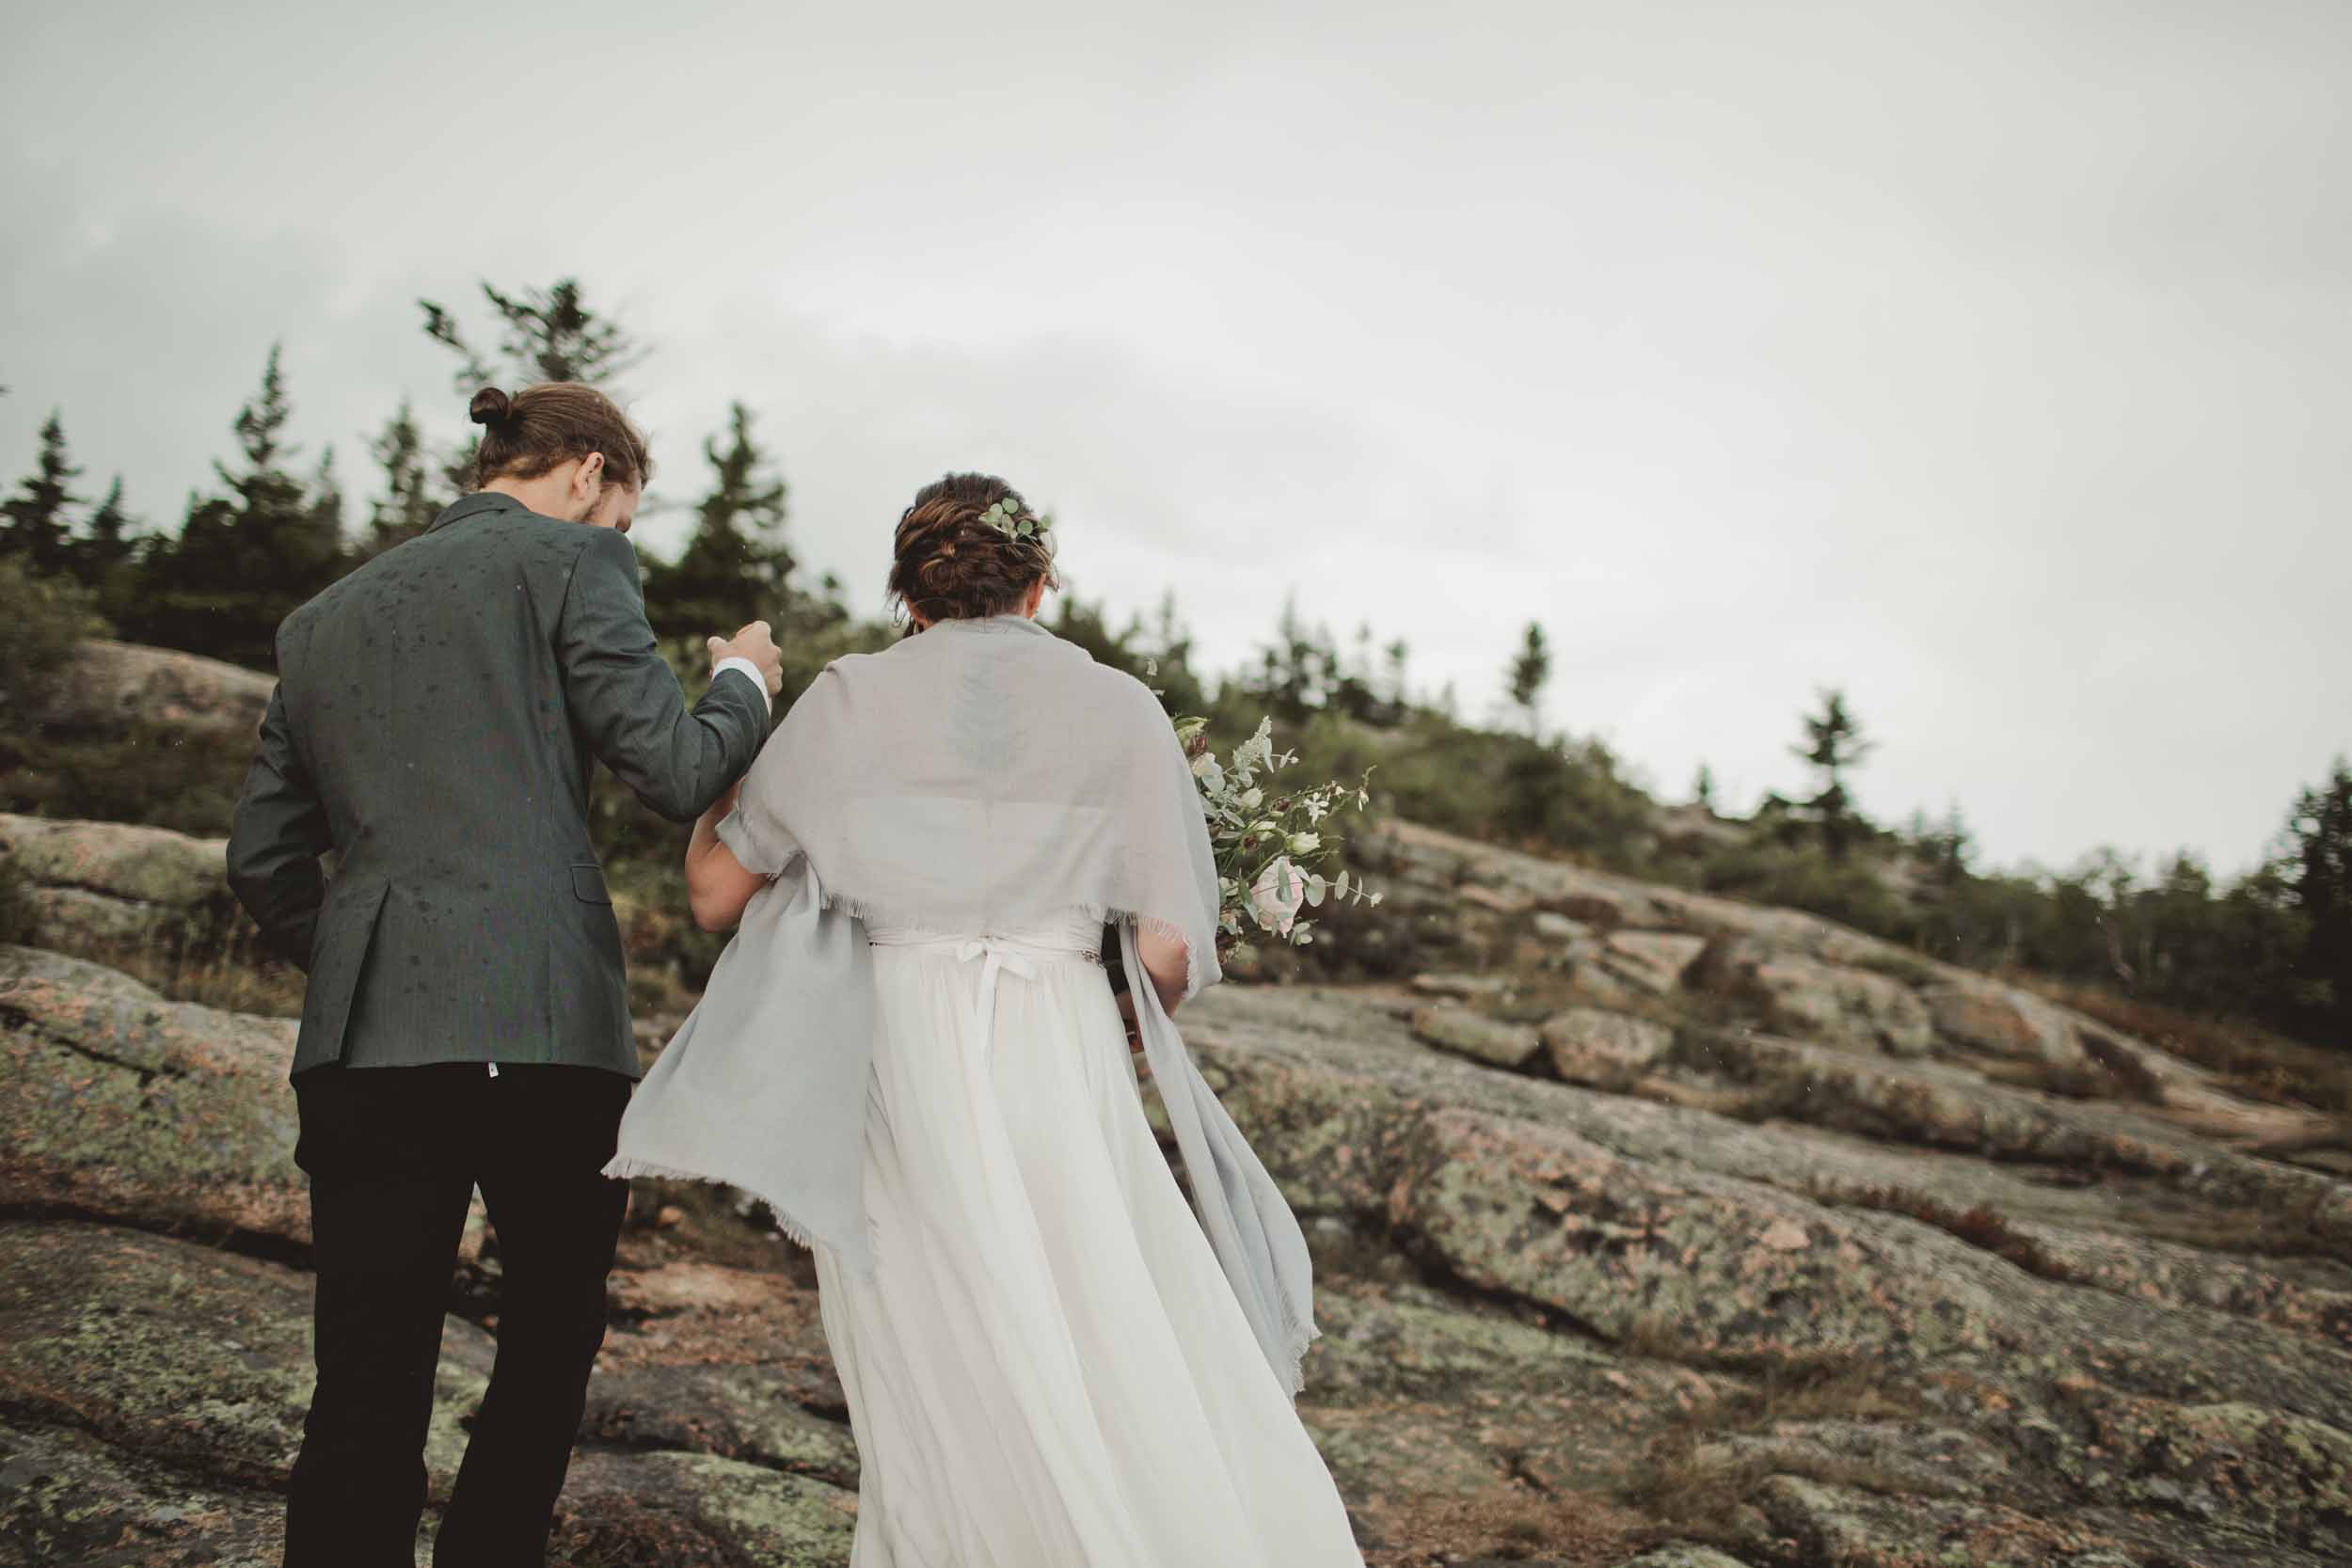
[(1991, 361)]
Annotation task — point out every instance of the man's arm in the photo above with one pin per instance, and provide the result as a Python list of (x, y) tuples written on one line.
[(627, 703), (274, 842)]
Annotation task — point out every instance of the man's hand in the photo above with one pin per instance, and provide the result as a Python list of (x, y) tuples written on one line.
[(756, 643)]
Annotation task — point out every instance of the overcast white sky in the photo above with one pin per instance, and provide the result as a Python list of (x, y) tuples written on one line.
[(1993, 360)]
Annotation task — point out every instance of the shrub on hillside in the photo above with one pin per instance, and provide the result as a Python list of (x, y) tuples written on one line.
[(1549, 795), (41, 618), (1803, 877), (153, 775)]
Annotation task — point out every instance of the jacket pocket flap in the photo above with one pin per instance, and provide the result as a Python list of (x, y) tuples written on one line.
[(588, 885)]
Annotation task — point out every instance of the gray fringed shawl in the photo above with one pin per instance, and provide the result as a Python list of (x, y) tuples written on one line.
[(983, 776)]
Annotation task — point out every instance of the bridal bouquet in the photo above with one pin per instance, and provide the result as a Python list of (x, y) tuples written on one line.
[(1271, 846)]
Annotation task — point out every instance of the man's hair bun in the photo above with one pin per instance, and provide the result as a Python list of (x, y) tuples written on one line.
[(552, 424), (490, 407)]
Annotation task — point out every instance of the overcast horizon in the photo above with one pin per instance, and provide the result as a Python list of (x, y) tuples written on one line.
[(1987, 363)]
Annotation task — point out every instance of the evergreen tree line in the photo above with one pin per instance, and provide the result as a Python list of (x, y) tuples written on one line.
[(2274, 945), (271, 532)]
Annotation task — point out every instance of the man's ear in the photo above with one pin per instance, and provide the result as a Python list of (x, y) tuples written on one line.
[(586, 480)]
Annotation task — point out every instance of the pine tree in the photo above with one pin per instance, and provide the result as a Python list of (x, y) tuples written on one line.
[(106, 545), (1170, 635), (734, 569), (1835, 744), (244, 559), (1948, 845), (1352, 688), (1530, 672), (543, 335), (1292, 671), (2319, 871), (326, 504), (1180, 690), (407, 506), (36, 522), (547, 335), (1703, 790)]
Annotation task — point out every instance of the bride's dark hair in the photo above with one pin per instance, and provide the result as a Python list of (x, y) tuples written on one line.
[(948, 563)]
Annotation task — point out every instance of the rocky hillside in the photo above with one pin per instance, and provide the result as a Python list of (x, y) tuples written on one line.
[(109, 685), (1651, 1228)]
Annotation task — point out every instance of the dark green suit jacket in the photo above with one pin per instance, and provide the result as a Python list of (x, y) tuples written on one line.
[(436, 717)]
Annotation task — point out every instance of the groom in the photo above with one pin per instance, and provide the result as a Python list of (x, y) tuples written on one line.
[(436, 717)]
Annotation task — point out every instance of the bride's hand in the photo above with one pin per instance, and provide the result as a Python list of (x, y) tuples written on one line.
[(1135, 1033)]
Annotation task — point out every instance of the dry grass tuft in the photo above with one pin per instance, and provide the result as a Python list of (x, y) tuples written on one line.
[(1696, 1483), (1981, 1226), (1797, 1383), (1699, 1489), (2067, 1081), (261, 987), (1913, 971), (2253, 1062), (1569, 1530), (1651, 1337)]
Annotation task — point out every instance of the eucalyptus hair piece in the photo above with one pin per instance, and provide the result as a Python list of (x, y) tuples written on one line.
[(1005, 516)]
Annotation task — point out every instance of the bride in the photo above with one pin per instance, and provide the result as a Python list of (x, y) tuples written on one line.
[(911, 1051)]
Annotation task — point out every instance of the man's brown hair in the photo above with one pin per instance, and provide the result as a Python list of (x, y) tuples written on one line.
[(545, 427)]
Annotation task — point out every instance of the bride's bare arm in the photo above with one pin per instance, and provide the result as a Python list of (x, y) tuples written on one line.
[(1164, 960), (717, 886)]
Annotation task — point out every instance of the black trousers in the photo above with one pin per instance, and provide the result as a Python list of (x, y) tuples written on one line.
[(394, 1155)]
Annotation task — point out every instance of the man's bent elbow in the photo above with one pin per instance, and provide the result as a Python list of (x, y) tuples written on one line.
[(675, 807), (683, 800), (246, 890), (255, 889)]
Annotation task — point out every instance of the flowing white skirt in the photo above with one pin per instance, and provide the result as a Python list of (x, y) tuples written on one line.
[(1048, 1369)]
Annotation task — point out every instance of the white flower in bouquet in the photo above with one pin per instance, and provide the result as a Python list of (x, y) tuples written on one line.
[(1268, 850), (1278, 896), (1257, 752)]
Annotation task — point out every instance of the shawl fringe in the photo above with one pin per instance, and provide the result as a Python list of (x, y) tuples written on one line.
[(628, 1166)]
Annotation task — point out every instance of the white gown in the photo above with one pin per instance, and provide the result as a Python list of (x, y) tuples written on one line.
[(1048, 1369)]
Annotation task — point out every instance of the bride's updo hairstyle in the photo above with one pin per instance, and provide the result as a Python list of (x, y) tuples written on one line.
[(545, 427), (968, 548)]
